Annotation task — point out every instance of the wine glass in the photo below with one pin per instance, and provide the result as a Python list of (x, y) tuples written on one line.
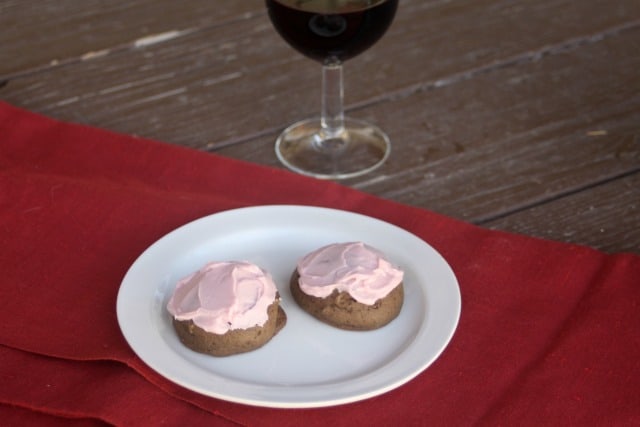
[(332, 31)]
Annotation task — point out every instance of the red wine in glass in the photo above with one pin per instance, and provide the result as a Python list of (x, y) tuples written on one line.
[(330, 32), (322, 31)]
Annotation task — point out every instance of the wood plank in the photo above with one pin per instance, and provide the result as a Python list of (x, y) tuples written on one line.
[(247, 82), (511, 138), (161, 91), (46, 33), (64, 29), (604, 217)]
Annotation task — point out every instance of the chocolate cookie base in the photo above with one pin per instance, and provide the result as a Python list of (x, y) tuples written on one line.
[(234, 341), (342, 311)]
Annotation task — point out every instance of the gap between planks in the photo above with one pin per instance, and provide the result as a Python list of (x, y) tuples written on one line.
[(142, 42), (512, 61), (560, 195)]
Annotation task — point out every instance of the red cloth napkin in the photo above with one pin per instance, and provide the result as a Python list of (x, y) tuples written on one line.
[(548, 332)]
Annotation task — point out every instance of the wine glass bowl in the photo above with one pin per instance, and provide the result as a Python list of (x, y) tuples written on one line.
[(330, 32)]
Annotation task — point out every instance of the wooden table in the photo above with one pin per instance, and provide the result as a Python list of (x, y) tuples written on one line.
[(520, 115)]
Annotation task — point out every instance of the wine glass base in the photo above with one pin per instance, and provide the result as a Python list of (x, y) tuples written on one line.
[(361, 148)]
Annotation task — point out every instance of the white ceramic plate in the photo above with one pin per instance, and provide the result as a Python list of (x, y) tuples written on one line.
[(308, 364)]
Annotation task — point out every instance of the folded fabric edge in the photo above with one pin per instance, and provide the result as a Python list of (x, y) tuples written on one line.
[(18, 359), (28, 415)]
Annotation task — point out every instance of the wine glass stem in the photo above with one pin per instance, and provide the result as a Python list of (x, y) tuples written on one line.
[(332, 120)]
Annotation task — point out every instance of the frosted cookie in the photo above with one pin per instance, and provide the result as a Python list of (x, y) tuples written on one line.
[(226, 308), (348, 285)]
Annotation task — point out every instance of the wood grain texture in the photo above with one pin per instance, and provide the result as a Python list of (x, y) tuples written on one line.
[(604, 217), (247, 82), (513, 114), (507, 139), (37, 35)]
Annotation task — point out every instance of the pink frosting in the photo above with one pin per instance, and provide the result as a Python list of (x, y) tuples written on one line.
[(222, 296), (354, 267)]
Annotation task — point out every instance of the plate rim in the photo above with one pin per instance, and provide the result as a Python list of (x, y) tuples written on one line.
[(220, 216)]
